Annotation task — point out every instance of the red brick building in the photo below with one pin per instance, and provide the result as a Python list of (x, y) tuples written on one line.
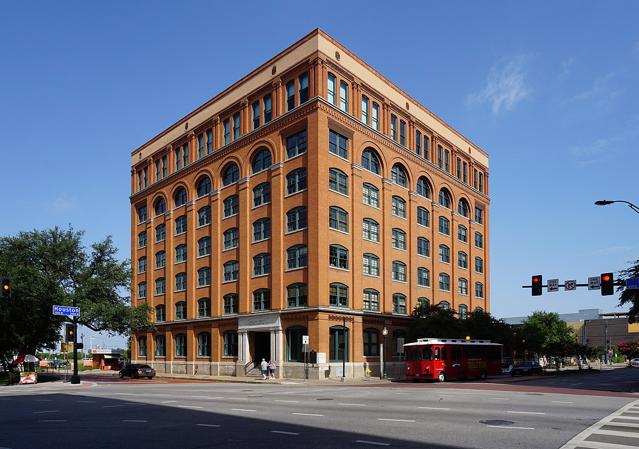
[(312, 197)]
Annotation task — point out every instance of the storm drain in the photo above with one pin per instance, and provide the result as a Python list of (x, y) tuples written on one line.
[(497, 422)]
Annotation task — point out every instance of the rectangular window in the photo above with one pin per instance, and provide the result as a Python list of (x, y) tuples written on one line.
[(231, 239), (330, 90), (423, 247), (399, 304), (261, 230), (393, 124), (178, 158), (290, 95), (231, 271), (479, 265), (418, 143), (209, 141), (426, 147), (479, 240), (458, 174), (365, 109), (142, 214), (375, 117), (479, 215), (142, 239), (440, 156), (236, 126), (268, 108), (200, 146), (465, 173), (402, 133), (165, 165), (180, 254), (231, 206), (343, 96), (303, 80), (256, 114), (338, 144), (479, 289), (185, 155), (462, 233), (481, 182), (157, 170), (475, 177), (444, 226), (296, 144), (227, 131), (230, 307), (447, 161)]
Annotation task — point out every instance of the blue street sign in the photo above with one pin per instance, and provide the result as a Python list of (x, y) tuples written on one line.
[(66, 310), (632, 283)]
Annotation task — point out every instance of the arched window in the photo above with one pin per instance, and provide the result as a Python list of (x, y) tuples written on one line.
[(160, 232), (479, 290), (294, 347), (160, 286), (444, 305), (370, 264), (398, 207), (231, 238), (423, 247), (444, 282), (370, 230), (423, 187), (423, 277), (338, 344), (296, 181), (370, 161), (203, 344), (463, 311), (399, 271), (399, 176), (231, 174), (463, 208), (204, 246), (261, 229), (463, 286), (180, 310), (423, 302), (262, 299), (160, 313), (399, 303), (230, 344), (160, 346), (231, 206), (142, 290), (296, 257), (180, 197), (338, 219), (371, 343), (462, 259), (370, 195), (204, 277), (231, 271), (203, 186), (203, 307), (230, 304), (338, 181), (479, 310), (204, 216), (338, 257), (160, 206), (444, 198), (296, 295), (262, 160), (261, 194), (444, 253), (261, 264), (180, 345), (296, 219), (338, 295)]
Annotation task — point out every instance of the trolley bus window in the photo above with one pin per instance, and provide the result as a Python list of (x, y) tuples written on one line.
[(412, 354), (427, 353), (437, 354)]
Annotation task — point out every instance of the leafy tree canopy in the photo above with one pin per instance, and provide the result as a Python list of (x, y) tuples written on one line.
[(53, 267), (546, 333)]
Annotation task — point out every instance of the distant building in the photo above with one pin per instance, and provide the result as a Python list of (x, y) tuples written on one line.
[(313, 200), (583, 314)]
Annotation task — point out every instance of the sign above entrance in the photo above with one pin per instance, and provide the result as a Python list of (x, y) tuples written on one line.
[(266, 322)]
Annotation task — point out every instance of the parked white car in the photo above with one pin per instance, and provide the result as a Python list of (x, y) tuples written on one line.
[(634, 363)]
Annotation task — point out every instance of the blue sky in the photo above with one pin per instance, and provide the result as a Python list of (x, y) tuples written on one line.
[(548, 90)]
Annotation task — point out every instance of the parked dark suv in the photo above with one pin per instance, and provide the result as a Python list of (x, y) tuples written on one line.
[(136, 371), (526, 368)]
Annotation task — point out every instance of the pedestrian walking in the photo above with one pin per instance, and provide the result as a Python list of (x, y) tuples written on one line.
[(264, 369), (271, 369)]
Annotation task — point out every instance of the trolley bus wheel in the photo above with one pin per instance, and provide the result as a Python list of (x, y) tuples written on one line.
[(441, 377)]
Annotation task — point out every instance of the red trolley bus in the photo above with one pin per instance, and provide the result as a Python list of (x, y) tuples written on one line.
[(448, 359)]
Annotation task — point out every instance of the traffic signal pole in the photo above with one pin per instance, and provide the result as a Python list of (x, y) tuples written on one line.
[(75, 378)]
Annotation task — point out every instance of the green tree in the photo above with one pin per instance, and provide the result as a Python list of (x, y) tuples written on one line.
[(545, 333), (483, 326), (53, 267), (630, 297), (433, 321)]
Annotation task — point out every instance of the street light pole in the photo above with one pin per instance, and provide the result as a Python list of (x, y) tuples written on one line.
[(383, 354), (606, 202)]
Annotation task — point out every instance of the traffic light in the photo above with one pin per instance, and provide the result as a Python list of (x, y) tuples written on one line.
[(607, 284), (536, 285), (6, 288), (69, 333)]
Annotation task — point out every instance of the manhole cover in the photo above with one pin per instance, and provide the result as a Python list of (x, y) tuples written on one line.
[(324, 399), (496, 422)]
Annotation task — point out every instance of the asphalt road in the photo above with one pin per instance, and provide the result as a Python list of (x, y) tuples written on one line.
[(151, 415)]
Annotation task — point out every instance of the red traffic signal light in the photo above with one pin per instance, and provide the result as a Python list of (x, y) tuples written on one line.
[(536, 285), (607, 284)]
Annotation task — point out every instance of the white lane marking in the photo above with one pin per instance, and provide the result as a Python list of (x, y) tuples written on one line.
[(190, 406), (395, 420), (284, 400), (307, 414), (237, 399), (562, 402), (580, 440), (243, 410), (167, 402), (374, 443), (434, 408), (500, 399), (352, 405), (634, 418), (208, 425), (616, 433), (512, 427), (135, 420), (525, 413), (623, 424), (283, 432), (45, 411), (114, 406)]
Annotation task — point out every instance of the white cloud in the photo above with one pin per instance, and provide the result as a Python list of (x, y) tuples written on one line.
[(601, 93), (505, 86), (62, 203)]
